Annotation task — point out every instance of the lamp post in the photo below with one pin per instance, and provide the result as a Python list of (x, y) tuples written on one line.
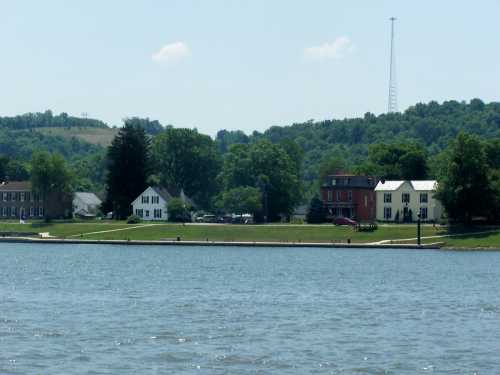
[(419, 240)]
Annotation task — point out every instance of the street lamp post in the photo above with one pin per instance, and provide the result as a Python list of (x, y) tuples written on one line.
[(419, 240)]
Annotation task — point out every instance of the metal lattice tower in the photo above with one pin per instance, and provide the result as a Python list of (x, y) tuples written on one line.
[(393, 93)]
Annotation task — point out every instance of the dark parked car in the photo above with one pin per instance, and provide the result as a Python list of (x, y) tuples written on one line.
[(344, 221)]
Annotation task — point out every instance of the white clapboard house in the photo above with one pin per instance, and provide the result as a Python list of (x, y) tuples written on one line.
[(152, 204), (402, 201)]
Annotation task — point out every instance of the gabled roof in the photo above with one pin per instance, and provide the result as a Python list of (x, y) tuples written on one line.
[(88, 198), (168, 194), (162, 192), (417, 185)]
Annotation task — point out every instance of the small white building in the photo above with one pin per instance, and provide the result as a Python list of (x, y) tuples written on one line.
[(85, 204), (402, 201), (152, 204)]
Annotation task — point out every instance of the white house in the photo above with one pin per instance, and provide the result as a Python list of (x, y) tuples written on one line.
[(152, 204), (402, 201), (85, 204)]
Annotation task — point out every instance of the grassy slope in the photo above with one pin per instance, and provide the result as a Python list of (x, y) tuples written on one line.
[(304, 233), (280, 233), (96, 136)]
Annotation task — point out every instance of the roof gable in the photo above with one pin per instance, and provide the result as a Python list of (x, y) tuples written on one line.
[(416, 185)]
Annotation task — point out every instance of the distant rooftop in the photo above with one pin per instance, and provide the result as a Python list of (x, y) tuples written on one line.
[(418, 185)]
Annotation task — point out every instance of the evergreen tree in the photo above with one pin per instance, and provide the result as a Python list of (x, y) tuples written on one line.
[(128, 164), (316, 212)]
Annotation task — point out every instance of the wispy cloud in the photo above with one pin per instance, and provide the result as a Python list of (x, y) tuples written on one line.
[(171, 52), (333, 50)]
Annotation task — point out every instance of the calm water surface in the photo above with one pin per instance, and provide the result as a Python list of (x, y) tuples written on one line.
[(83, 309)]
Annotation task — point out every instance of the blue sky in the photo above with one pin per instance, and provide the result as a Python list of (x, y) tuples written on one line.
[(242, 64)]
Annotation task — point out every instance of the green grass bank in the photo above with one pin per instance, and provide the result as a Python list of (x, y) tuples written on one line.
[(110, 230)]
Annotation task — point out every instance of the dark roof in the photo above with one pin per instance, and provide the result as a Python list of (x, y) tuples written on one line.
[(15, 186), (343, 180), (170, 193)]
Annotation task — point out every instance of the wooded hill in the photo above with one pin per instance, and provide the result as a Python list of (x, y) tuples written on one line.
[(431, 125), (83, 141)]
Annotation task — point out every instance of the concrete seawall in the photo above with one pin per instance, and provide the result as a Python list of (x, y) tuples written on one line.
[(47, 241)]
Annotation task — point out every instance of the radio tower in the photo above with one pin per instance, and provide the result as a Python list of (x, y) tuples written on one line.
[(393, 94)]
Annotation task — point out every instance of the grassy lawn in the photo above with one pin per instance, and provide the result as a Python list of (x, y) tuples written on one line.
[(471, 241), (278, 233), (60, 229)]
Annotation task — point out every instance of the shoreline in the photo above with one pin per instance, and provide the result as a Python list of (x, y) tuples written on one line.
[(46, 241)]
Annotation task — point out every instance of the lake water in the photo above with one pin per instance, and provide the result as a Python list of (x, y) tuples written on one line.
[(84, 309)]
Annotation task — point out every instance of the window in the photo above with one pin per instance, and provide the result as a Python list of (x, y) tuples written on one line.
[(157, 213), (23, 195), (330, 195), (139, 212), (387, 198), (14, 211), (405, 197), (147, 213), (40, 211), (338, 196), (14, 196), (155, 199), (334, 181), (424, 198), (349, 196), (28, 196), (4, 211), (145, 199), (32, 211), (5, 197), (423, 213), (11, 212), (387, 213)]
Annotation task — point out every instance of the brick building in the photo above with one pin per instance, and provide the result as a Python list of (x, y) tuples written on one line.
[(350, 196), (18, 200)]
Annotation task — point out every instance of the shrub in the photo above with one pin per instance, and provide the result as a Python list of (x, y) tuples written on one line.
[(133, 219)]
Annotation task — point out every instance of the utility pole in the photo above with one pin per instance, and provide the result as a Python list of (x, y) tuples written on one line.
[(392, 105)]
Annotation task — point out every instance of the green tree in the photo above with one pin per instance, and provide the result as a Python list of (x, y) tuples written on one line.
[(464, 182), (407, 161), (53, 180), (243, 199), (177, 210), (269, 168), (316, 212), (128, 167), (190, 161)]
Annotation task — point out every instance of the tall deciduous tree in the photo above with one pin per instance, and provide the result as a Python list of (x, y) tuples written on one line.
[(53, 180), (269, 168), (243, 199), (464, 184), (190, 161), (129, 165)]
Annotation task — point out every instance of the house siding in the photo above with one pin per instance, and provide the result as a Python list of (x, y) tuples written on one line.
[(350, 196), (433, 206), (146, 210)]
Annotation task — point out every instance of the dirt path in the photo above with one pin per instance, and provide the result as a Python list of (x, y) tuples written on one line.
[(111, 230)]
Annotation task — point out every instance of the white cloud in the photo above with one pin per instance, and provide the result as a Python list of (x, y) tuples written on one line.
[(171, 52), (334, 50)]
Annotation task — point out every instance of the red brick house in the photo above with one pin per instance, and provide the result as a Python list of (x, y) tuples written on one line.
[(18, 200), (350, 196)]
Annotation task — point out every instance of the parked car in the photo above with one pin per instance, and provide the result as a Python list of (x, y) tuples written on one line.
[(344, 221)]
